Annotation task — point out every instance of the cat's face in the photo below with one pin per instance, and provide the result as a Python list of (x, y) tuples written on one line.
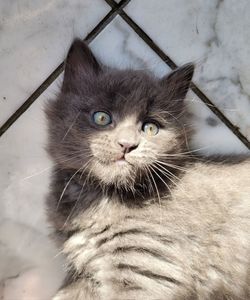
[(116, 126)]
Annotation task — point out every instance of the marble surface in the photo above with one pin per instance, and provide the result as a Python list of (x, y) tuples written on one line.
[(34, 39), (213, 34), (30, 265)]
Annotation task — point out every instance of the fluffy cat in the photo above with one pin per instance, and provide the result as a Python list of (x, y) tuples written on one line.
[(135, 213)]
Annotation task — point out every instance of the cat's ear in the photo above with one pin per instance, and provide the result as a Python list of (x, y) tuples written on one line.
[(80, 64), (178, 81), (175, 86)]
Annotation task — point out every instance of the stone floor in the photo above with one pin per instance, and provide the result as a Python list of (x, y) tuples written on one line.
[(34, 39)]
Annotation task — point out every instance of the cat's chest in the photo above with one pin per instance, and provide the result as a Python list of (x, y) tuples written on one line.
[(109, 229), (167, 246), (118, 244)]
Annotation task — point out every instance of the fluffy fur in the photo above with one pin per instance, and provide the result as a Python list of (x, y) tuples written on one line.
[(149, 220)]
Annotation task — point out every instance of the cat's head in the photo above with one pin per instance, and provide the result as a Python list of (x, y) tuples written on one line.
[(117, 125)]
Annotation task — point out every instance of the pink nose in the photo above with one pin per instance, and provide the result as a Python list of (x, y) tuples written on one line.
[(127, 147)]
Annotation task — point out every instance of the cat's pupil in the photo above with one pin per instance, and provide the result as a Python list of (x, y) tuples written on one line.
[(102, 118)]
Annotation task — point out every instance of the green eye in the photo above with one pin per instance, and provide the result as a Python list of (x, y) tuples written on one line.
[(150, 129), (102, 118)]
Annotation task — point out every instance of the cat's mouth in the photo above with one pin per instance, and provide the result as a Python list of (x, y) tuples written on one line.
[(122, 161), (112, 170), (119, 159)]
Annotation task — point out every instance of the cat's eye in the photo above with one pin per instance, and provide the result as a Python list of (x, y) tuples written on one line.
[(102, 118), (150, 129)]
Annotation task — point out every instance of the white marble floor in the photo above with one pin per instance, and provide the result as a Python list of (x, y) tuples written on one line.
[(34, 38)]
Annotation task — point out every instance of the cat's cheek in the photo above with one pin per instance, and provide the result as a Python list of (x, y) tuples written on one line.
[(102, 147), (141, 159), (166, 141)]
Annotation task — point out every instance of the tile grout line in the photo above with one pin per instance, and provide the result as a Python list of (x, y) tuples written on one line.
[(52, 77), (142, 34)]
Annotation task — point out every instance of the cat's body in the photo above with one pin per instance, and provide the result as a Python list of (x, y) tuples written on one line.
[(177, 233), (194, 244)]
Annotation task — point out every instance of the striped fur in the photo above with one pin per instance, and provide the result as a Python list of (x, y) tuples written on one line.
[(194, 245)]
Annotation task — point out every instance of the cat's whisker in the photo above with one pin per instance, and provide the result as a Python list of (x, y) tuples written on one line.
[(179, 158), (186, 152), (59, 201), (157, 191), (86, 165), (166, 172), (79, 196), (38, 173), (161, 179), (88, 177), (151, 186), (70, 127), (173, 166), (170, 176), (71, 178), (150, 182), (131, 182), (52, 166)]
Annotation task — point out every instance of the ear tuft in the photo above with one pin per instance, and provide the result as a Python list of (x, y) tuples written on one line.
[(80, 64), (178, 81), (175, 87)]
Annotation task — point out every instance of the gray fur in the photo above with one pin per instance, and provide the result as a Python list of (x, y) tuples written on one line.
[(164, 224)]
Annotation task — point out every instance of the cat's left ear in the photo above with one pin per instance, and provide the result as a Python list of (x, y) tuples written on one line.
[(176, 84), (174, 87), (80, 65)]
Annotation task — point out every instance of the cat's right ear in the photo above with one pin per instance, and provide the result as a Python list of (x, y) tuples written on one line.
[(80, 66)]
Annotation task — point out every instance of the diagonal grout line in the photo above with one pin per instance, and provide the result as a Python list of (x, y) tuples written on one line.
[(142, 34), (47, 82)]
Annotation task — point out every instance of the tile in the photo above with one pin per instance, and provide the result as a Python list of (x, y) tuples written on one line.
[(30, 267), (29, 260), (118, 46), (34, 38), (182, 28), (25, 167), (214, 35)]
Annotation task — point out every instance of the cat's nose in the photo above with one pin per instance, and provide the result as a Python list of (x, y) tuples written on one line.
[(127, 146)]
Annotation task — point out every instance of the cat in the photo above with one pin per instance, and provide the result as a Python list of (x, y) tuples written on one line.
[(136, 214)]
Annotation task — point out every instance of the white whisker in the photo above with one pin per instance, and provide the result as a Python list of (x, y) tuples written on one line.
[(162, 180), (157, 191), (173, 166), (71, 178), (166, 172), (70, 127), (53, 165)]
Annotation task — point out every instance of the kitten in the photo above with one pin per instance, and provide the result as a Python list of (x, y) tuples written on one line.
[(137, 216)]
